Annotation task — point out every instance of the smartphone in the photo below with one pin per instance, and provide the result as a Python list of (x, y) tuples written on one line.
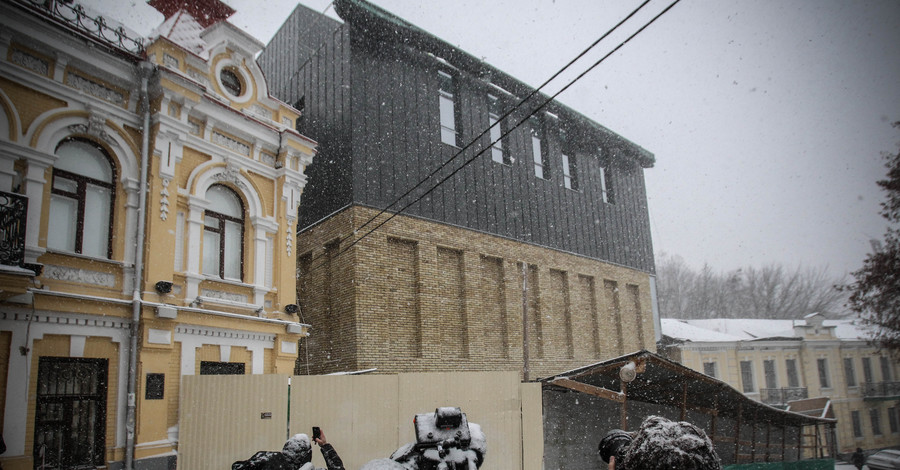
[(317, 433)]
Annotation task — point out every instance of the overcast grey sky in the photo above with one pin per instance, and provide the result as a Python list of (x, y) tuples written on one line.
[(767, 118)]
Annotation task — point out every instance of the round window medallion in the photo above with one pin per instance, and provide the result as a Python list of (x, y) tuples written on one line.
[(231, 81)]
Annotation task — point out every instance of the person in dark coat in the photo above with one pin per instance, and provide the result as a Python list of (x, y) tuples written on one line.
[(296, 455), (661, 444), (858, 459)]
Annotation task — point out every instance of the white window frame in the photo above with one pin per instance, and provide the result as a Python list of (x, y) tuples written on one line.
[(714, 367), (570, 179), (823, 372), (223, 232), (745, 387), (850, 372), (499, 152), (448, 101), (84, 217), (538, 152), (774, 373), (788, 369)]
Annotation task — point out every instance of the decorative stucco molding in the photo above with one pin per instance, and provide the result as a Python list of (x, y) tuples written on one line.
[(30, 62), (84, 276), (98, 90), (164, 200), (221, 295)]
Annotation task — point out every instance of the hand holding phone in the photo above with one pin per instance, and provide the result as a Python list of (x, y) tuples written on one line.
[(316, 433)]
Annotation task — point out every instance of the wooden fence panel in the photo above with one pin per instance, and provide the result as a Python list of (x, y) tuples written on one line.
[(222, 419), (357, 413), (490, 399), (363, 416)]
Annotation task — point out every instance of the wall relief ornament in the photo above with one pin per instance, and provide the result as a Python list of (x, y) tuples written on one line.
[(83, 276), (230, 175), (164, 200)]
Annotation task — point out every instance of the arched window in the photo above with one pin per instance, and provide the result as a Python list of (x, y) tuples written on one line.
[(223, 234), (82, 198)]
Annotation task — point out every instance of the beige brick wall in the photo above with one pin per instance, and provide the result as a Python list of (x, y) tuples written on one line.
[(418, 296)]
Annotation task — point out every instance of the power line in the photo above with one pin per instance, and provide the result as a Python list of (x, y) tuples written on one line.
[(470, 160), (505, 115), (482, 134)]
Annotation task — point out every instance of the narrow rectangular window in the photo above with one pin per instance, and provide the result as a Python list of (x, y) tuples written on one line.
[(885, 369), (791, 368), (449, 109), (892, 420), (570, 177), (875, 418), (270, 259), (606, 185), (538, 150), (179, 242), (822, 364), (233, 241), (857, 424), (747, 376), (709, 368), (849, 373), (300, 105), (222, 368), (569, 162), (499, 146), (769, 370), (867, 370)]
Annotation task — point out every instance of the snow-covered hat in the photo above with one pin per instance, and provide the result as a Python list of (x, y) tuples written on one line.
[(661, 443), (298, 449)]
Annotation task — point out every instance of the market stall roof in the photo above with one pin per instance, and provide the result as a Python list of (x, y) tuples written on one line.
[(664, 382)]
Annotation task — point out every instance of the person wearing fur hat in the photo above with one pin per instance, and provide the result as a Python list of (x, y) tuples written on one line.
[(661, 444), (296, 455)]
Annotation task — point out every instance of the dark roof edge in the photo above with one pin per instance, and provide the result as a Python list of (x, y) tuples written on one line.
[(384, 25), (725, 387)]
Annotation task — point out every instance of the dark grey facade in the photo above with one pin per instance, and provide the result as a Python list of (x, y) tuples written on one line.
[(370, 92)]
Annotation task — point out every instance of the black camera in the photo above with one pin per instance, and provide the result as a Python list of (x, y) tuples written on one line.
[(614, 444), (447, 427)]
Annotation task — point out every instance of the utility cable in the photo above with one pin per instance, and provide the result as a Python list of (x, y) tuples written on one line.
[(499, 120), (548, 100), (315, 51), (504, 116)]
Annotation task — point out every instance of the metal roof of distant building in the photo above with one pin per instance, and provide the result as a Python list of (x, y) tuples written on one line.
[(748, 329)]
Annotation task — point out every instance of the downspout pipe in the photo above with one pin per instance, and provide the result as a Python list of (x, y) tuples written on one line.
[(146, 71)]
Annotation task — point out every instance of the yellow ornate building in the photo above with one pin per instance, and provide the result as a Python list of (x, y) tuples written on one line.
[(149, 197), (812, 366)]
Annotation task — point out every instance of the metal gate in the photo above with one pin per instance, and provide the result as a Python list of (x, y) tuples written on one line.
[(69, 421)]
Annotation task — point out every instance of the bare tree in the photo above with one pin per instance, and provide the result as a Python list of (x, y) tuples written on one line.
[(772, 291)]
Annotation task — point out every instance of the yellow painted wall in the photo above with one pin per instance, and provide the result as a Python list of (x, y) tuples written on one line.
[(29, 103)]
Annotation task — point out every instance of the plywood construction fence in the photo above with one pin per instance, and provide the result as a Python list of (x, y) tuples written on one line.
[(225, 418), (368, 417), (363, 416)]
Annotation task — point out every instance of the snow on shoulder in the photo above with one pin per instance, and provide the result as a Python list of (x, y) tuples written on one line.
[(664, 444)]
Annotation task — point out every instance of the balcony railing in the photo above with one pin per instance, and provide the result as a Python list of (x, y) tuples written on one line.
[(13, 209), (780, 396), (880, 389), (75, 16)]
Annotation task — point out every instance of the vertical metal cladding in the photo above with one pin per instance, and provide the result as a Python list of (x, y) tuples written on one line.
[(372, 102)]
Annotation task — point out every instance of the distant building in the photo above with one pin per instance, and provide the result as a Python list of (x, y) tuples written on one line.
[(795, 364), (561, 199), (95, 283)]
